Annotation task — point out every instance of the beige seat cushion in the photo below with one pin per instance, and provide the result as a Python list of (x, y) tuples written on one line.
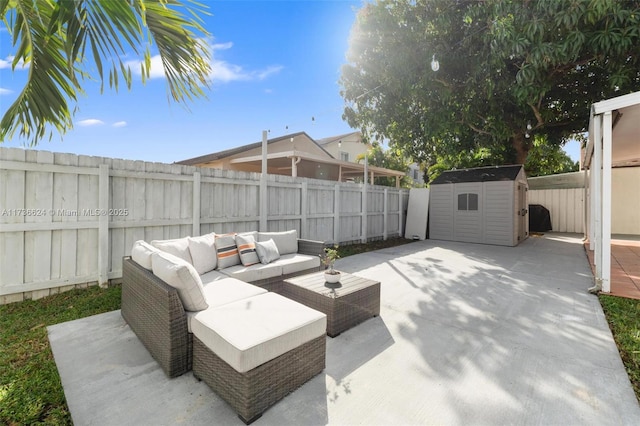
[(254, 272), (292, 263), (212, 276), (221, 291), (229, 290), (250, 332)]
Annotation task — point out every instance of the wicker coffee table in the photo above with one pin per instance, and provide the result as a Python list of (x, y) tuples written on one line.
[(347, 303)]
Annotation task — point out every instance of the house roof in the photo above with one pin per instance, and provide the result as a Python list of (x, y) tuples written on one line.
[(303, 162), (233, 151), (325, 141), (479, 174)]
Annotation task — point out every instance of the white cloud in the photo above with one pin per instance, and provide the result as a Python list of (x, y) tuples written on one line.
[(90, 122), (5, 91), (6, 63), (224, 72), (221, 71), (119, 124)]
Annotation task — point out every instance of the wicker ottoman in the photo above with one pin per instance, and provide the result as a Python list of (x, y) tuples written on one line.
[(256, 351)]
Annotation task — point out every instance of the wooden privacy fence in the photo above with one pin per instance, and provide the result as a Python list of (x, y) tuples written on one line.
[(67, 220)]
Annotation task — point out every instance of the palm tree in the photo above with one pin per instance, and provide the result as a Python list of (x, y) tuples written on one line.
[(56, 39)]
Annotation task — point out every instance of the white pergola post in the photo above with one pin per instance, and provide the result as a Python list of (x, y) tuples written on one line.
[(596, 169), (607, 140)]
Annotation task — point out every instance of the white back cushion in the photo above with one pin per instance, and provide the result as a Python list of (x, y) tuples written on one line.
[(203, 252), (177, 247), (141, 253), (183, 277), (287, 241)]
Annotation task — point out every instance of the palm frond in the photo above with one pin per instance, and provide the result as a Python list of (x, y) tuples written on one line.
[(57, 37)]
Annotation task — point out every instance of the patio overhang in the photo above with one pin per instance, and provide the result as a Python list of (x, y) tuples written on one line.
[(297, 163), (614, 141)]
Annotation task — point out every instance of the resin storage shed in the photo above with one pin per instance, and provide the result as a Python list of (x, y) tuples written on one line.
[(485, 205)]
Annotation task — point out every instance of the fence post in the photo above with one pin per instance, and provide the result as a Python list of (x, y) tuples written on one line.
[(103, 225), (196, 204), (365, 209), (336, 214), (304, 206), (264, 206), (400, 207), (385, 227)]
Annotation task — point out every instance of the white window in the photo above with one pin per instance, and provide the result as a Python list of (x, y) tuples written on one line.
[(344, 156)]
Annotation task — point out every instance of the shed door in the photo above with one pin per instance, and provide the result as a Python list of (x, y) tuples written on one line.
[(468, 206), (523, 213)]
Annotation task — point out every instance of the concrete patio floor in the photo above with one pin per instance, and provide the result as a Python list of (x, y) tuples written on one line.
[(468, 334)]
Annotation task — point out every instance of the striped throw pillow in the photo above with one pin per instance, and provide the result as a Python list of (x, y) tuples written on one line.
[(227, 251), (247, 249)]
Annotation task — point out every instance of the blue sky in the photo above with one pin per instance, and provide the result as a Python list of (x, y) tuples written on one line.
[(276, 66)]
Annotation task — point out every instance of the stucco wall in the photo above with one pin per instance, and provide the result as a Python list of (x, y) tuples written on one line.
[(625, 200)]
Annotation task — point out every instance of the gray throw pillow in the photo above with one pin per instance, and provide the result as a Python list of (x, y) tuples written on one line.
[(267, 251)]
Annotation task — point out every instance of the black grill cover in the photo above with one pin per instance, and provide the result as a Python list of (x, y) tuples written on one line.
[(539, 218)]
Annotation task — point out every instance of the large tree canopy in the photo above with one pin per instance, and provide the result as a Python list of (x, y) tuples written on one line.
[(508, 71), (55, 39)]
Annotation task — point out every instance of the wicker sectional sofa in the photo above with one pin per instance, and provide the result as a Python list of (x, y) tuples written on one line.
[(250, 344)]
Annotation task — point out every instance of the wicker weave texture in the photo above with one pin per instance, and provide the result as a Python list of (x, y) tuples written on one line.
[(253, 392), (314, 248), (154, 312), (346, 305)]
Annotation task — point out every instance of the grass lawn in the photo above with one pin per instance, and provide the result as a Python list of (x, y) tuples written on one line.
[(623, 316), (30, 387)]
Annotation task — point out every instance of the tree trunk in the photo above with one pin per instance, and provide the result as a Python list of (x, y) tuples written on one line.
[(519, 143)]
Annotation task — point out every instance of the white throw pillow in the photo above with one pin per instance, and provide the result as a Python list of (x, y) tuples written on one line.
[(267, 251), (177, 247), (227, 251), (183, 277), (287, 241), (203, 252), (247, 249), (141, 253)]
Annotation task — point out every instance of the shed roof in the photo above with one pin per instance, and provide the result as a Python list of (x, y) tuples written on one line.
[(479, 174)]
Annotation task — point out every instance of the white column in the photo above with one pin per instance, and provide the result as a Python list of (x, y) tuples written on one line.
[(596, 193), (607, 140)]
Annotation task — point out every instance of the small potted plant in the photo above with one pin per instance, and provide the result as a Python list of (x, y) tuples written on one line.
[(330, 256)]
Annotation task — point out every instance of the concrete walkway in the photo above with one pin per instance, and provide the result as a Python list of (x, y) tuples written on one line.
[(468, 334)]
